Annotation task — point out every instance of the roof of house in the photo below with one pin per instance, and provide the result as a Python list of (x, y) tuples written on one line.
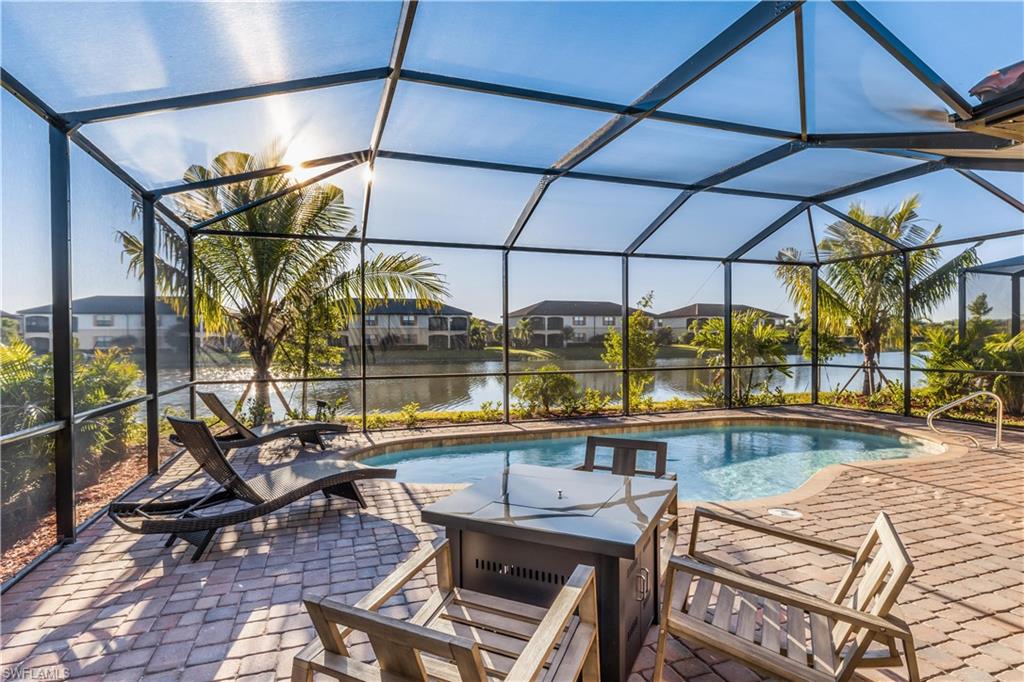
[(10, 316), (409, 306), (568, 308), (715, 310), (105, 305)]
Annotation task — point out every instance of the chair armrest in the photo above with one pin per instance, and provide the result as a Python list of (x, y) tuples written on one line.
[(789, 596), (578, 587), (766, 528), (330, 635), (405, 571)]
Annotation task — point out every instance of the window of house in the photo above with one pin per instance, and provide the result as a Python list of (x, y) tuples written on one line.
[(103, 321), (371, 320), (103, 342), (579, 337), (408, 320), (37, 323), (608, 320), (578, 320)]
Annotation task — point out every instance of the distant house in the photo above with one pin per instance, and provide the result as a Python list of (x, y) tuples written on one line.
[(403, 323), (99, 322), (680, 319), (552, 321)]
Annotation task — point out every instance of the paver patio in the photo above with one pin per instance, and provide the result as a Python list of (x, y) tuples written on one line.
[(120, 606)]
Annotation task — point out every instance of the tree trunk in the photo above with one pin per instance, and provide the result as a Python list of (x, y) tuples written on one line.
[(262, 354), (869, 347)]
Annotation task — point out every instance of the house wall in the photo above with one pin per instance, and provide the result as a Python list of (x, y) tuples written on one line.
[(552, 335), (417, 334), (91, 335)]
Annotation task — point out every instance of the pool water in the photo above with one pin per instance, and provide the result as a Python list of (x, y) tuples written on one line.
[(712, 463)]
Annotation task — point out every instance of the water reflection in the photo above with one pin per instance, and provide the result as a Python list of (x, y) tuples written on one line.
[(455, 393)]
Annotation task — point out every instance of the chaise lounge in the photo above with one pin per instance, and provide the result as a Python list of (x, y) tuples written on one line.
[(257, 496), (238, 435)]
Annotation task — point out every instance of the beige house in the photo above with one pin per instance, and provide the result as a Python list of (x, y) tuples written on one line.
[(559, 323), (680, 319), (404, 324)]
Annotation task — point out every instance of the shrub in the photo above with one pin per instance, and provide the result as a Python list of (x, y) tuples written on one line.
[(376, 421), (538, 393), (491, 411), (257, 412), (409, 415)]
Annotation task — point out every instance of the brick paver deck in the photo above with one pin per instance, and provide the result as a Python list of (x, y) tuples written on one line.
[(120, 606)]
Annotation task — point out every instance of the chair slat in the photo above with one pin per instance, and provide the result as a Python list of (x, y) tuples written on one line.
[(770, 630), (746, 619), (575, 653), (499, 605), (701, 598), (681, 590), (500, 623), (796, 641), (723, 608), (821, 643)]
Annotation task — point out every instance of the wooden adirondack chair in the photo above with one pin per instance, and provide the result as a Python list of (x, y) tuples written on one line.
[(457, 635), (784, 632)]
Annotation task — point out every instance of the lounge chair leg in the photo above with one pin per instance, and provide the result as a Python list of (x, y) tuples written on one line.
[(200, 540), (348, 490), (170, 540)]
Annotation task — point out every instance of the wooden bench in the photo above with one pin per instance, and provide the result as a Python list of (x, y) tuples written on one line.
[(784, 632), (457, 634)]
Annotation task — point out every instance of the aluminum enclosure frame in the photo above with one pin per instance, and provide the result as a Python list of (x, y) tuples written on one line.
[(65, 130)]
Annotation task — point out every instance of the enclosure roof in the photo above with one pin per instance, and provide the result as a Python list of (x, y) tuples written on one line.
[(514, 125), (1008, 266)]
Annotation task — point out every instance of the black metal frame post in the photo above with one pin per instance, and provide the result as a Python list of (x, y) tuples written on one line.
[(506, 389), (727, 335), (362, 332), (1015, 305), (961, 304), (149, 315), (62, 332), (625, 336), (190, 264), (815, 360), (907, 313)]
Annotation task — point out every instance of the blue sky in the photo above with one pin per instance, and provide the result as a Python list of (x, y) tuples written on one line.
[(611, 51)]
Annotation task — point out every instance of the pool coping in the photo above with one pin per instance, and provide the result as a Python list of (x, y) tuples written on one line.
[(879, 424)]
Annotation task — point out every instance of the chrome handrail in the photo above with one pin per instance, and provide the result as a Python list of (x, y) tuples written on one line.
[(977, 394)]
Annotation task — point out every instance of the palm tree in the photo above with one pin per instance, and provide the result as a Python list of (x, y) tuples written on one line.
[(865, 297), (261, 288), (522, 333), (755, 341)]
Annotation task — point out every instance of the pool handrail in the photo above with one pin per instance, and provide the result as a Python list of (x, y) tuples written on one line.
[(977, 394)]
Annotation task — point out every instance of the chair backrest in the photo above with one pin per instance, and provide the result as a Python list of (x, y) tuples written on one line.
[(625, 452), (200, 443), (872, 585), (397, 645), (221, 412)]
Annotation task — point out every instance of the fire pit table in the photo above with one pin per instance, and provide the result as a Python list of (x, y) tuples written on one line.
[(520, 534)]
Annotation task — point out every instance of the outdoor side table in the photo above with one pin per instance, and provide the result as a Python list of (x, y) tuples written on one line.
[(521, 533)]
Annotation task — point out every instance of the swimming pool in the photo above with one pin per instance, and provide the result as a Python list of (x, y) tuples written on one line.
[(731, 462)]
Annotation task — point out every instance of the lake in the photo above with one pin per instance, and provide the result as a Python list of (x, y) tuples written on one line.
[(679, 379)]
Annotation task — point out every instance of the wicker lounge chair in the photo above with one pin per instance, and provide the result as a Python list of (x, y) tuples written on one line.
[(457, 634), (784, 632), (238, 435), (256, 496)]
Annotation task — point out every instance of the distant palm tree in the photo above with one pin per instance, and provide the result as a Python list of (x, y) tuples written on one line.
[(261, 288), (522, 333), (865, 297)]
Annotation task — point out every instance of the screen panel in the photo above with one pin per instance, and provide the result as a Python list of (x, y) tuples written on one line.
[(159, 148), (182, 48)]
